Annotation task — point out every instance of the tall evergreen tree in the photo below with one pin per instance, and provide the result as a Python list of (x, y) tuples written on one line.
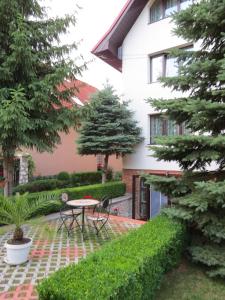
[(199, 194), (109, 128), (33, 64)]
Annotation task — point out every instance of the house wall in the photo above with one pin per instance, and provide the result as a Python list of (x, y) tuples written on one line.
[(142, 41), (65, 158), (146, 39)]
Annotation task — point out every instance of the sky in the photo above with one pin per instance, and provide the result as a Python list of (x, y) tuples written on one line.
[(93, 19)]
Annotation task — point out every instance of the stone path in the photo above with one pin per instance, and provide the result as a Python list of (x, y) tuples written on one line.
[(50, 252)]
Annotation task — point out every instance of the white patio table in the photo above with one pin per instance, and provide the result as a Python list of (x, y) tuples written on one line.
[(82, 203)]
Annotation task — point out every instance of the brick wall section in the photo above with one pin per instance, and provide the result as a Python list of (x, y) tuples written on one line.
[(129, 173)]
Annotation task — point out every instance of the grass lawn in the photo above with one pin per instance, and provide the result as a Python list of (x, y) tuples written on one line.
[(188, 282)]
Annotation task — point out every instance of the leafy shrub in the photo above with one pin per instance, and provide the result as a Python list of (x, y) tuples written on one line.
[(109, 174), (117, 176), (39, 186), (79, 179), (128, 268), (64, 176), (97, 191), (63, 180), (44, 177)]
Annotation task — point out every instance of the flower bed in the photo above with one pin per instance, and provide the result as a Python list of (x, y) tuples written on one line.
[(129, 268)]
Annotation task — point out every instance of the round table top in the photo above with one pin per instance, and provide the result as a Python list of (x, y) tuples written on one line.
[(82, 202)]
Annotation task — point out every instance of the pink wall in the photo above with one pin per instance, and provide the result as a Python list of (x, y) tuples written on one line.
[(65, 158)]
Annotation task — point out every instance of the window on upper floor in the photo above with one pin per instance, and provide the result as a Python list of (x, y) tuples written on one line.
[(170, 7), (171, 67), (157, 67), (156, 12), (185, 3), (164, 8), (161, 125), (164, 65)]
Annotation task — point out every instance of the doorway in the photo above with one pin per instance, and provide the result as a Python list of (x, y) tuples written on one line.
[(147, 202)]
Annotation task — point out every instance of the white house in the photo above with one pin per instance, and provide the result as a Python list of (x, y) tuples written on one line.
[(137, 45)]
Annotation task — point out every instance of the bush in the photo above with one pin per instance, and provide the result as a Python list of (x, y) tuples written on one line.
[(109, 174), (39, 186), (79, 179), (117, 176), (63, 180), (44, 177), (97, 191), (128, 268), (64, 176)]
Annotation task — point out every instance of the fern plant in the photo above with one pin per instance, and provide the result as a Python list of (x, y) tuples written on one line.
[(17, 210)]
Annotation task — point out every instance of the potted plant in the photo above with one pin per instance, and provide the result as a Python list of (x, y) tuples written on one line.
[(2, 181), (16, 211)]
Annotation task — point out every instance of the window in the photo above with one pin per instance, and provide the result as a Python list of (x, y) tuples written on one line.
[(157, 67), (164, 65), (185, 3), (156, 12), (171, 68), (171, 6), (120, 53), (160, 125), (164, 8)]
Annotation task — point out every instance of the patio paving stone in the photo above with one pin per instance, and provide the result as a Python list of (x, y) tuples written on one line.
[(48, 254)]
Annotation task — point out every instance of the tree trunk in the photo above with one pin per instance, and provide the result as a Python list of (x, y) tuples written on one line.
[(8, 170), (18, 234), (105, 168)]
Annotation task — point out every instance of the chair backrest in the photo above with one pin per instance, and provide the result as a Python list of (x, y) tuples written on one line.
[(64, 197), (105, 204)]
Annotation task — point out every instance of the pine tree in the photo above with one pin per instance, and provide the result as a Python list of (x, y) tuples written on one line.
[(33, 64), (108, 129), (198, 196)]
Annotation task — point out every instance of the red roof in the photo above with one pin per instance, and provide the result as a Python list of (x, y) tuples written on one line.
[(107, 48), (82, 92)]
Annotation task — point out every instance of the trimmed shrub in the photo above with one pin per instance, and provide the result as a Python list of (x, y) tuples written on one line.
[(64, 176), (128, 268), (39, 186), (97, 191), (79, 179), (63, 180), (44, 177), (112, 189)]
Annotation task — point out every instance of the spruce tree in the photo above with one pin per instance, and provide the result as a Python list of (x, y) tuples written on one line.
[(198, 196), (33, 64), (109, 128)]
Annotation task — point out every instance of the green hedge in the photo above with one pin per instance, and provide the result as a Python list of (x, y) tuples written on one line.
[(128, 268), (63, 180), (40, 185), (79, 179), (97, 191)]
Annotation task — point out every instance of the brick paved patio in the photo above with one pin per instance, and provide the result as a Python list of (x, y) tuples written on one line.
[(50, 253)]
